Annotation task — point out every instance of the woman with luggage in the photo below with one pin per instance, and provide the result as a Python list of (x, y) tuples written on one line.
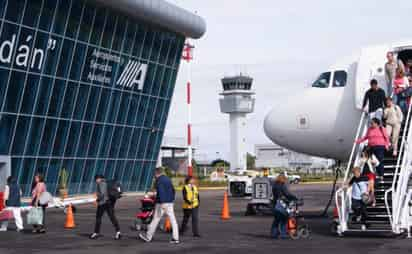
[(39, 189)]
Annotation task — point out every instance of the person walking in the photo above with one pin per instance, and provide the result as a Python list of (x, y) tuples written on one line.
[(359, 185), (190, 206), (39, 187), (281, 198), (390, 71), (367, 164), (375, 97), (378, 141), (104, 204), (165, 196), (393, 117), (12, 202), (400, 83)]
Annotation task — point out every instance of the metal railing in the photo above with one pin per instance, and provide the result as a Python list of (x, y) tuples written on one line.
[(398, 188), (341, 195)]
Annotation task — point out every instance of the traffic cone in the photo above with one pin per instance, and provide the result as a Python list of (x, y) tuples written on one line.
[(225, 210), (70, 218), (167, 225)]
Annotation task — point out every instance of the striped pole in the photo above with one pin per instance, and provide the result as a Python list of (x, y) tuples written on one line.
[(188, 57)]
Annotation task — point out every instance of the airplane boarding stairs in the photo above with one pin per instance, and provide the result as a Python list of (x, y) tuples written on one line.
[(393, 210)]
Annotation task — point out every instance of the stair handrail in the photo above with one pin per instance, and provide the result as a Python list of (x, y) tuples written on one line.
[(398, 178), (403, 141), (357, 136), (341, 192)]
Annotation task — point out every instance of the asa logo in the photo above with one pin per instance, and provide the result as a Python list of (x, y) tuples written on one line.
[(133, 74)]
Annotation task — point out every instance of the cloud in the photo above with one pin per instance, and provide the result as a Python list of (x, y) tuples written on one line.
[(282, 45)]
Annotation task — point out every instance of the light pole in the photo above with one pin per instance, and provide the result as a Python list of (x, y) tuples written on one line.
[(188, 57)]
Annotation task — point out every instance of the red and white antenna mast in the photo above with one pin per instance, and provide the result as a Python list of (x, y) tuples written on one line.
[(188, 57)]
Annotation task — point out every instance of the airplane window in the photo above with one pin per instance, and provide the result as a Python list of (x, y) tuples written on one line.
[(322, 81), (339, 79)]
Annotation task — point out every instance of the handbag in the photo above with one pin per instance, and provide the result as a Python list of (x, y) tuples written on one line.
[(6, 215), (280, 207), (35, 216), (45, 198), (365, 197)]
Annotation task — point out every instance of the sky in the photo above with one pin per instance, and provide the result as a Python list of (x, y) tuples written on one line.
[(283, 45)]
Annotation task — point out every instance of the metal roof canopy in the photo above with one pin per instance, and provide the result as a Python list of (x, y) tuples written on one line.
[(161, 13)]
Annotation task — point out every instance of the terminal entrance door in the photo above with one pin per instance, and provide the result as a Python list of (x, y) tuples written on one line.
[(5, 171)]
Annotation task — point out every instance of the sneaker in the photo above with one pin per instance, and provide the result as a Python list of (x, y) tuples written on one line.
[(3, 229), (94, 236), (196, 236), (144, 237), (42, 231), (173, 241), (118, 236), (363, 227)]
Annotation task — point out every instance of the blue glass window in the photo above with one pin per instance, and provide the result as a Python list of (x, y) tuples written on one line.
[(87, 23), (34, 138), (61, 138), (7, 123), (32, 16), (62, 14), (14, 92), (47, 14), (56, 98), (21, 134), (74, 19), (14, 10)]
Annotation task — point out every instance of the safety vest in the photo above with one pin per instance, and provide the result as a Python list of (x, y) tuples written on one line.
[(192, 195)]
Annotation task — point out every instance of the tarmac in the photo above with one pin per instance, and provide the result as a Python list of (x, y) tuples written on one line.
[(240, 234)]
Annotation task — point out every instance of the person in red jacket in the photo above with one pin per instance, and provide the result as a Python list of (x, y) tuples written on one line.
[(378, 141)]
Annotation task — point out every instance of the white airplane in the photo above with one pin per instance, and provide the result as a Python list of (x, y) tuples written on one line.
[(322, 120)]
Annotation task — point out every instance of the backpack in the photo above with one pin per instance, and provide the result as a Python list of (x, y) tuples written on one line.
[(114, 189)]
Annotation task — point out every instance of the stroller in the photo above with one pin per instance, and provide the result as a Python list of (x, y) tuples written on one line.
[(145, 215)]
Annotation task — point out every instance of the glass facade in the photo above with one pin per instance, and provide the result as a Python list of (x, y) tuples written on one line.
[(84, 89)]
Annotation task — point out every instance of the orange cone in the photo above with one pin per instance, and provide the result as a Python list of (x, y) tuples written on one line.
[(168, 225), (70, 218), (225, 210)]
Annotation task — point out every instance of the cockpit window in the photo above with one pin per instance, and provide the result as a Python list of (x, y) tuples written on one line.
[(322, 81), (339, 79)]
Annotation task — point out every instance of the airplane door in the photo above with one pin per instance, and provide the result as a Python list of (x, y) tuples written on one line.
[(370, 66)]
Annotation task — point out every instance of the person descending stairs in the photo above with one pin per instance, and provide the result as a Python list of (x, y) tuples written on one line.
[(379, 214)]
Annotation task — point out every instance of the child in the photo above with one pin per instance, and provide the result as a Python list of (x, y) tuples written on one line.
[(359, 185), (367, 165)]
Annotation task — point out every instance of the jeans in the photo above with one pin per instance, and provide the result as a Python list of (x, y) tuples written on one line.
[(195, 220), (390, 89), (379, 152), (109, 208), (279, 225), (359, 208), (160, 210), (17, 218), (403, 105)]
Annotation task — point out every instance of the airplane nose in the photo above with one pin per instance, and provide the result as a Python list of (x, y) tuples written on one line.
[(275, 124)]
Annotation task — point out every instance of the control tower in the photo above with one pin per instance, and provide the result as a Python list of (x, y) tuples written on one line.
[(237, 100)]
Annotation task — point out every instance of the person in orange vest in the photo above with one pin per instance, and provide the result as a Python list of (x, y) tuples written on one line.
[(190, 206)]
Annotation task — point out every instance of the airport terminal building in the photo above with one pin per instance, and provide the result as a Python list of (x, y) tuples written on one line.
[(86, 86)]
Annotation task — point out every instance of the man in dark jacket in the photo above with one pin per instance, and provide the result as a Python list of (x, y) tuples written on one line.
[(104, 204), (375, 96), (165, 196)]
